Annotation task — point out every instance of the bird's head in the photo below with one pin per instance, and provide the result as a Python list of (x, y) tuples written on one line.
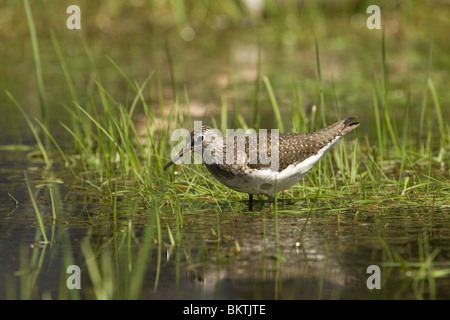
[(197, 140)]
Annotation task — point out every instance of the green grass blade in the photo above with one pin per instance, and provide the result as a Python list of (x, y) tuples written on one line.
[(33, 129), (274, 103), (37, 63), (321, 90)]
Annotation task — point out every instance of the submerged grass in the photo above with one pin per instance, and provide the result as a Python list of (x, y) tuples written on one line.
[(424, 272), (36, 209)]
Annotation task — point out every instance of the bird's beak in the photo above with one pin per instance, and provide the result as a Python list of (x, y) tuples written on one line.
[(178, 157)]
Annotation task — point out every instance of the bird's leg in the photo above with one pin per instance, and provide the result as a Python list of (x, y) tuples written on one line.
[(271, 198), (250, 202)]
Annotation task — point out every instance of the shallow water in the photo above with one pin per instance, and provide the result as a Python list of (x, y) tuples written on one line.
[(313, 254)]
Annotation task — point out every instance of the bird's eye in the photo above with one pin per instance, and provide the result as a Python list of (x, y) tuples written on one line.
[(200, 138)]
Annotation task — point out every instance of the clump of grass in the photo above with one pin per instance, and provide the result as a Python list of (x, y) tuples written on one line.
[(111, 150)]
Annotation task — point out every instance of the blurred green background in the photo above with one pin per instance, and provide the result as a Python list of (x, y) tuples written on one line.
[(215, 47)]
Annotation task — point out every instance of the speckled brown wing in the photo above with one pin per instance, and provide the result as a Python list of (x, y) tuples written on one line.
[(297, 147)]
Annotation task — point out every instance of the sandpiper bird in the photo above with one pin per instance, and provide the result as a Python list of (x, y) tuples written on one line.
[(262, 163)]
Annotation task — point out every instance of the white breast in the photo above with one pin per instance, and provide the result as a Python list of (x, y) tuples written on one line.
[(263, 181)]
